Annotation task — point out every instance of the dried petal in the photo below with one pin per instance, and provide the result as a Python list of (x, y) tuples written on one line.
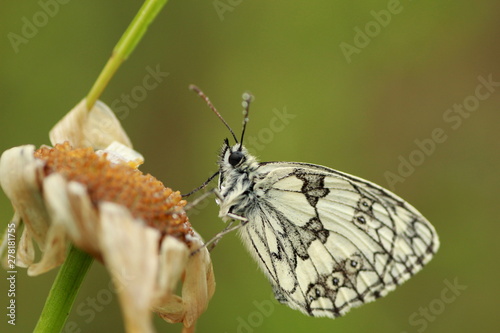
[(127, 246), (96, 128), (199, 285), (128, 220), (119, 153), (55, 251), (18, 178), (83, 232), (197, 289), (172, 262), (25, 251)]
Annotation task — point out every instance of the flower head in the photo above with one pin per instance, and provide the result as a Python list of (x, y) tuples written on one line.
[(101, 202)]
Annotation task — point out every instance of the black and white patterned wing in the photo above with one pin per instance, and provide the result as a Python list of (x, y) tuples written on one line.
[(329, 241)]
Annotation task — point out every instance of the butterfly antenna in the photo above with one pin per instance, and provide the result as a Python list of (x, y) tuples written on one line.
[(212, 107), (202, 185), (247, 98)]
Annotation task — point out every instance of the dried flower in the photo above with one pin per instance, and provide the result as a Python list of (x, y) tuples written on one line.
[(104, 205)]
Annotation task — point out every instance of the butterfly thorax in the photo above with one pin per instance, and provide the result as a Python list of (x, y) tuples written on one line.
[(237, 173)]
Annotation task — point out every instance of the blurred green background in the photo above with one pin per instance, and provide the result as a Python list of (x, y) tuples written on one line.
[(359, 110)]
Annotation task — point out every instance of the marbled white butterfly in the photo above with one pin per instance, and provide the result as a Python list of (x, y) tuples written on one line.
[(327, 241)]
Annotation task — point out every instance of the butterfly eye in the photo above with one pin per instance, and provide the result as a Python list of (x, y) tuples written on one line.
[(236, 157)]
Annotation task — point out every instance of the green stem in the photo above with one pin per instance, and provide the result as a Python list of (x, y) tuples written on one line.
[(125, 46), (64, 291)]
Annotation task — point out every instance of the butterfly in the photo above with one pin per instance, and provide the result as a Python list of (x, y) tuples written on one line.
[(326, 240)]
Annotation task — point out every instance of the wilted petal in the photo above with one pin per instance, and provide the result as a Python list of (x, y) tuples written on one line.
[(96, 128), (56, 199), (119, 153), (172, 309), (107, 207), (197, 289), (18, 178), (199, 284), (82, 229), (173, 257), (25, 255), (130, 251), (55, 193), (55, 252), (16, 220)]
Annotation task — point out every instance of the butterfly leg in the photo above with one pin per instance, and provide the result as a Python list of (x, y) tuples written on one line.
[(230, 228), (201, 198), (243, 220)]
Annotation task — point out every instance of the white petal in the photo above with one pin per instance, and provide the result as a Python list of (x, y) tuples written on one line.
[(83, 228), (25, 250), (119, 153), (61, 213), (130, 252), (69, 205), (55, 251), (197, 289), (56, 199), (19, 171), (174, 255), (199, 284), (97, 128), (172, 309), (12, 230)]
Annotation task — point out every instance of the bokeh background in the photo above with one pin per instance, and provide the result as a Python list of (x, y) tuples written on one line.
[(358, 112)]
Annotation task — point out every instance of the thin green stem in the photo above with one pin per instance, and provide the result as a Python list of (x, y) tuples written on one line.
[(64, 290), (125, 46)]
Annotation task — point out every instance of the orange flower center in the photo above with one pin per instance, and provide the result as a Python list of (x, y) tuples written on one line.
[(144, 196)]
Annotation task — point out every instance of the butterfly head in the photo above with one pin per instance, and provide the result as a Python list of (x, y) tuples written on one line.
[(236, 173), (236, 158), (234, 161)]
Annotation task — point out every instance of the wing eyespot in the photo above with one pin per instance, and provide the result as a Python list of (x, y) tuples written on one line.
[(315, 291), (360, 218), (354, 264), (365, 204), (336, 280)]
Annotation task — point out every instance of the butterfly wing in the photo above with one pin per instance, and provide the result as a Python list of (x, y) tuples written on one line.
[(329, 241)]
